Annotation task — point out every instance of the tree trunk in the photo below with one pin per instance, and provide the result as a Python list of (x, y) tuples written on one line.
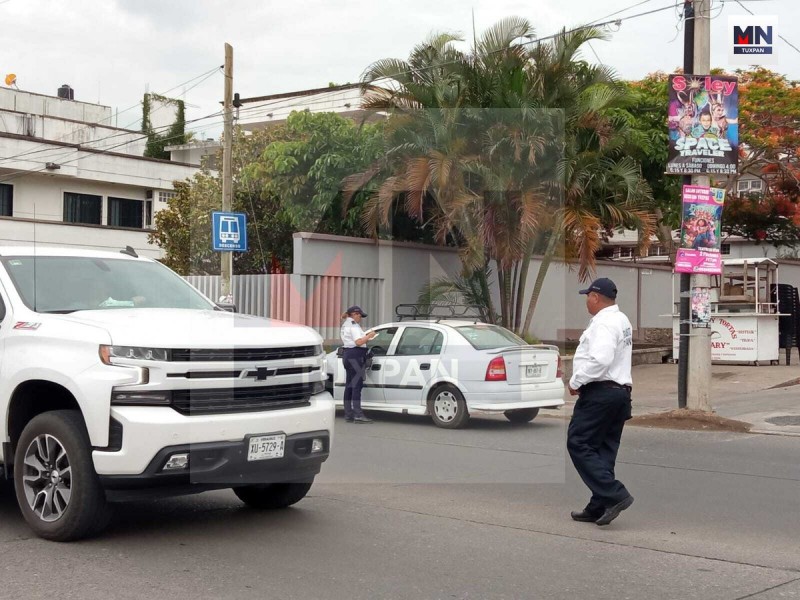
[(540, 275), (664, 233), (501, 284), (487, 293), (522, 283)]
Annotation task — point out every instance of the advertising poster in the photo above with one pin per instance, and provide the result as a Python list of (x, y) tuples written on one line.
[(701, 307), (703, 122), (699, 251)]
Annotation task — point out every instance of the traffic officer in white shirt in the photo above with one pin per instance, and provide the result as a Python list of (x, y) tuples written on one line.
[(354, 341), (602, 381)]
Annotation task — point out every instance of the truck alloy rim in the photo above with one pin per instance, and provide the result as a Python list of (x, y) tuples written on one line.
[(445, 406), (47, 478)]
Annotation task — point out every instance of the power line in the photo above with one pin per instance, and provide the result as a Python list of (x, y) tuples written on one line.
[(41, 148), (780, 36), (621, 11), (93, 152)]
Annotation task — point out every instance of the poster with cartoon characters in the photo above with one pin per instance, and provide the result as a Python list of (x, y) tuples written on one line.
[(699, 251), (703, 125)]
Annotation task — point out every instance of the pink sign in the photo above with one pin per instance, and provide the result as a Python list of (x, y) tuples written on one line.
[(699, 251)]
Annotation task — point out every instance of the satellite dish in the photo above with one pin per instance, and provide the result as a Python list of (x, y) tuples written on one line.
[(11, 79)]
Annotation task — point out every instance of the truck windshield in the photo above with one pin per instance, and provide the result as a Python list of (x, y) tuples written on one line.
[(488, 337), (64, 284)]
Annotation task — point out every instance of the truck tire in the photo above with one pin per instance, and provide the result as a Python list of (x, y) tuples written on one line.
[(521, 415), (273, 495), (57, 488)]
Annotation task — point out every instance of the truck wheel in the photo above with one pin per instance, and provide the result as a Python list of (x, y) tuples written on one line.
[(521, 415), (273, 495), (448, 408), (57, 488)]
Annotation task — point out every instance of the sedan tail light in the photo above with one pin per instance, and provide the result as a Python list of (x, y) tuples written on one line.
[(559, 370), (496, 370)]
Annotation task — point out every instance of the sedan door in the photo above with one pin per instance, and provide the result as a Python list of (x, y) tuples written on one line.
[(380, 346), (413, 364)]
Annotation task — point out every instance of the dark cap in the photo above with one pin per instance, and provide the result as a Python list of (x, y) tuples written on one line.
[(356, 309), (604, 287)]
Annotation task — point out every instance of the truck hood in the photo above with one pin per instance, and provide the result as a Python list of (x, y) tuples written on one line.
[(177, 328)]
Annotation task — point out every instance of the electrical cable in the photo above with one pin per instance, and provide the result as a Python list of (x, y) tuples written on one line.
[(207, 74)]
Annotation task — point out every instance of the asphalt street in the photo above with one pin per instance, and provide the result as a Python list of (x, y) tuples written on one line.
[(406, 510)]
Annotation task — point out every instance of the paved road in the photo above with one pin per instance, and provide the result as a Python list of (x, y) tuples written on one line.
[(405, 510)]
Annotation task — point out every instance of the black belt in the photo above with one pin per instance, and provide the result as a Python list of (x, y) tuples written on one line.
[(607, 384)]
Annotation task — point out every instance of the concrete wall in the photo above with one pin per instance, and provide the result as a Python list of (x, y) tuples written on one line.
[(402, 268), (99, 137), (645, 291), (17, 232), (40, 104)]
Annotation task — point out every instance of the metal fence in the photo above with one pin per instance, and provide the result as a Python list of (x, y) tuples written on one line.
[(313, 300)]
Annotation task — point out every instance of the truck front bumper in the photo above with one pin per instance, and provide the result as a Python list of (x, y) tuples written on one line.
[(149, 431), (219, 465)]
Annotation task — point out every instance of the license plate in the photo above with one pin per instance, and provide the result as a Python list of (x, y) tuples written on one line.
[(263, 447), (532, 371)]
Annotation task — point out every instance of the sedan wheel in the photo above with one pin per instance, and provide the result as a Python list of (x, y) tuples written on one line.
[(448, 408)]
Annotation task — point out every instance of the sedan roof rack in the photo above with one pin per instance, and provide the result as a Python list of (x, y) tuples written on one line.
[(439, 312)]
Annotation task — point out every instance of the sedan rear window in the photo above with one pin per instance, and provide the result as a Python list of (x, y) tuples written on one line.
[(488, 337)]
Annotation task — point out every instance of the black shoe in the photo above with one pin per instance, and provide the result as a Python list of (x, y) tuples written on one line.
[(584, 516), (348, 419), (362, 420), (613, 512)]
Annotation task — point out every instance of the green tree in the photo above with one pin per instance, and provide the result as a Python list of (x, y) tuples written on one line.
[(286, 178), (477, 153)]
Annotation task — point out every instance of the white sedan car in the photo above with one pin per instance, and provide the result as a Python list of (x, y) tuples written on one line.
[(451, 369)]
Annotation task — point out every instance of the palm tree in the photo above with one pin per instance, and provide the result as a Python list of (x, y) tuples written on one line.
[(508, 149)]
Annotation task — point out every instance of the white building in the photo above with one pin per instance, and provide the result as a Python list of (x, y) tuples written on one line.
[(261, 112), (67, 177)]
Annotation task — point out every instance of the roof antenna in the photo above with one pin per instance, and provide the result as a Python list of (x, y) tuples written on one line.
[(129, 251)]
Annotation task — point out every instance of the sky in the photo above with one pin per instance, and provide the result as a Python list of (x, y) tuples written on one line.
[(112, 51)]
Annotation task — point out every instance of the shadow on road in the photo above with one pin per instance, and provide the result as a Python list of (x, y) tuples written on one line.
[(479, 423)]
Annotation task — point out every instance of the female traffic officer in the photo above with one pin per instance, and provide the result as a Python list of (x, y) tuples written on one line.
[(354, 341)]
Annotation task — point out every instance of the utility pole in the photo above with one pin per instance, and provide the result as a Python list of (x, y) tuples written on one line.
[(698, 395), (684, 314), (227, 178)]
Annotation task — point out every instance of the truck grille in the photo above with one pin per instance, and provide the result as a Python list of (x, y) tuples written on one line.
[(236, 400), (242, 354)]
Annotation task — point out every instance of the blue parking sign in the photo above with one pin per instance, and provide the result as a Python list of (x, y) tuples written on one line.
[(229, 231)]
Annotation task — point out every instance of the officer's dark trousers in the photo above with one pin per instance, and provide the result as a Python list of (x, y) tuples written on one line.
[(355, 367), (593, 441)]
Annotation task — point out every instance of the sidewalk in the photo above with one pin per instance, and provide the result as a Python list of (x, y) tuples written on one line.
[(767, 397)]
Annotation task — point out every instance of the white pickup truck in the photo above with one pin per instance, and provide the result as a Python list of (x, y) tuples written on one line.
[(118, 379)]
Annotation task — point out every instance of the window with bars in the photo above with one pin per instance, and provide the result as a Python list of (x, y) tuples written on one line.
[(6, 200), (725, 249), (123, 212), (166, 196), (83, 208)]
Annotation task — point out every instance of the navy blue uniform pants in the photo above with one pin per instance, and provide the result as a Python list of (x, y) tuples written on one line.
[(355, 367), (593, 440)]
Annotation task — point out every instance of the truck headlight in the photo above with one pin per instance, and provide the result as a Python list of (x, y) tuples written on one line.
[(109, 353)]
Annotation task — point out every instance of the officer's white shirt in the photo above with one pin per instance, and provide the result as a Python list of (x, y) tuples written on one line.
[(605, 350), (351, 331)]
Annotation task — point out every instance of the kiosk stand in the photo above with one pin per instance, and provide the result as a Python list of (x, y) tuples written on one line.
[(744, 317)]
